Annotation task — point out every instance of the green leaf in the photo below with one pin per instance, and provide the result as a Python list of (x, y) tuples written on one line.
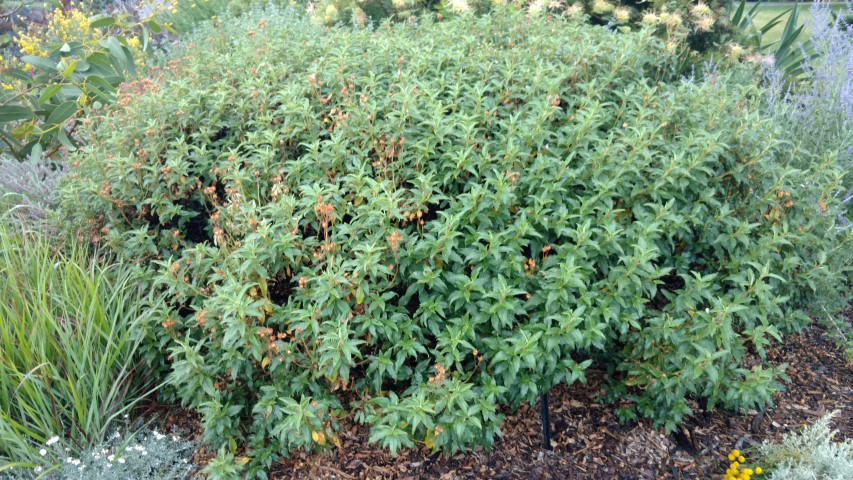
[(62, 113), (100, 88), (144, 39), (49, 93), (12, 113), (40, 63), (18, 74), (36, 152), (102, 22), (121, 58), (69, 69), (65, 141)]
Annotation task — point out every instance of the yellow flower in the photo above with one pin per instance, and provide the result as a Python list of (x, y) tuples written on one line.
[(741, 459), (758, 470), (6, 86)]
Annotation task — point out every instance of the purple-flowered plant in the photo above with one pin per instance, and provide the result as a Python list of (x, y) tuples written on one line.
[(817, 111), (29, 187)]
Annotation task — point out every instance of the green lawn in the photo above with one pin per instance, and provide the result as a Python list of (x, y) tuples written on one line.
[(768, 12)]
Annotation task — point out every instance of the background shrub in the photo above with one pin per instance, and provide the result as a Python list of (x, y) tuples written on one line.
[(816, 115), (414, 224), (67, 346)]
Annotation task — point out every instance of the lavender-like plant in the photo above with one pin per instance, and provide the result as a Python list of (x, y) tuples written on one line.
[(29, 187), (818, 111)]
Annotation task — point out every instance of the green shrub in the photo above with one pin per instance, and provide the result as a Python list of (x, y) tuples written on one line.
[(415, 224), (67, 348)]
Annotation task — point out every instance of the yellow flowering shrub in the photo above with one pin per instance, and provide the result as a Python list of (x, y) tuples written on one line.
[(53, 70)]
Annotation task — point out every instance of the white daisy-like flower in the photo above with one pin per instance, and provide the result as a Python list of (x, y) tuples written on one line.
[(111, 458), (38, 469), (42, 452), (120, 460), (75, 462), (52, 440)]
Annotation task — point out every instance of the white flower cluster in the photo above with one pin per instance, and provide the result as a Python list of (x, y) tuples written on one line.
[(119, 457)]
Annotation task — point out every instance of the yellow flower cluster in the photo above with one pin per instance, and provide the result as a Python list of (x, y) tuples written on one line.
[(31, 44), (735, 470), (67, 26), (61, 27)]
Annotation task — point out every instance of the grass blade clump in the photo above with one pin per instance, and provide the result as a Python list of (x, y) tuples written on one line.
[(68, 370)]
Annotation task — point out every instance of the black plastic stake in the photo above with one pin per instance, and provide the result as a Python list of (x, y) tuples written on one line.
[(546, 421)]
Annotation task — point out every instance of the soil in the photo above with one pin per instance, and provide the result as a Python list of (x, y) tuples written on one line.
[(587, 440)]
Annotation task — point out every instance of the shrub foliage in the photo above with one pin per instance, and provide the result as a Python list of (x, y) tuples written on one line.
[(416, 224)]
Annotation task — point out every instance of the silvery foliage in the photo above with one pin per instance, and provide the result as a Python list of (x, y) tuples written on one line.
[(810, 454)]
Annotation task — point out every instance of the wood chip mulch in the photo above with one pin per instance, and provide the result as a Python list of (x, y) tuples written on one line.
[(589, 443)]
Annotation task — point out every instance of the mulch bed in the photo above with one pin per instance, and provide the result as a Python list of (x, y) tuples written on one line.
[(589, 443)]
